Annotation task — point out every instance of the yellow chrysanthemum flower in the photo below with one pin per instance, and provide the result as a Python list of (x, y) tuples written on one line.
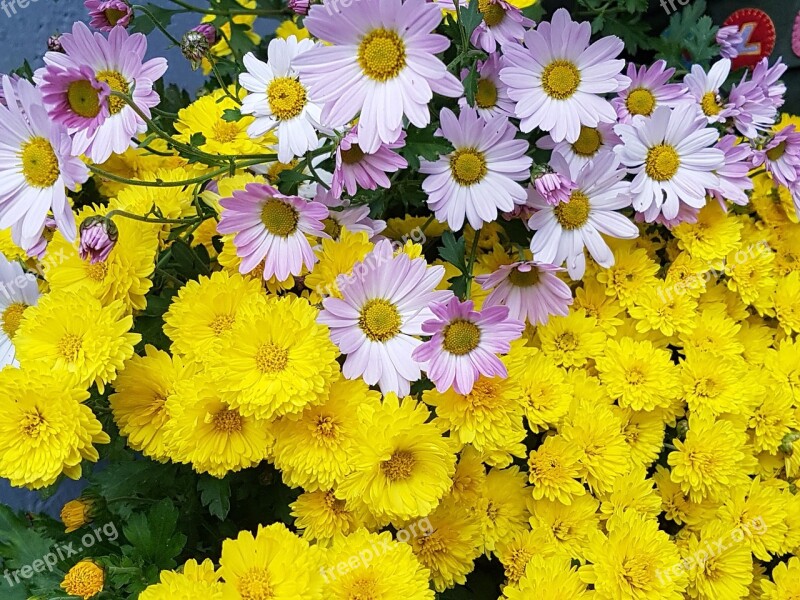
[(712, 237), (677, 507), (277, 360), (549, 577), (125, 275), (203, 429), (751, 274), (8, 248), (658, 308), (773, 419), (781, 364), (72, 334), (289, 28), (502, 508), (553, 470), (469, 478), (449, 546), (314, 450), (787, 302), (634, 561), (643, 432), (139, 401), (631, 492), (321, 516), (373, 565), (274, 564), (593, 299), (546, 393), (687, 275), (85, 580), (45, 430), (76, 513), (718, 567), (632, 272), (336, 261), (785, 584), (571, 341), (713, 459), (414, 228), (193, 581), (402, 465), (202, 315), (714, 332), (713, 385), (565, 529), (515, 554)]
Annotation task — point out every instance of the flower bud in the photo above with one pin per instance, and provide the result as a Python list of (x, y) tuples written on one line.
[(299, 7), (76, 513), (99, 234), (554, 187), (195, 46), (54, 43), (209, 31), (787, 445)]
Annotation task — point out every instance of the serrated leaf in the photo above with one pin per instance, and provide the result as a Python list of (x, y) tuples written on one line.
[(231, 115), (215, 494), (424, 143), (454, 250), (471, 17), (143, 23), (153, 536), (20, 544), (471, 84), (197, 139)]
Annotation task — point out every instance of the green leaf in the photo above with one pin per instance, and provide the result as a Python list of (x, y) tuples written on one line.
[(143, 23), (424, 143), (231, 115), (153, 536), (471, 84), (215, 494), (454, 250), (20, 544), (471, 17), (197, 139)]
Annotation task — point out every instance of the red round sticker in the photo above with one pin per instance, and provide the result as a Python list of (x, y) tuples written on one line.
[(758, 34)]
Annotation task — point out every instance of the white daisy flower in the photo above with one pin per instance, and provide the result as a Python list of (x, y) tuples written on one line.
[(279, 101), (704, 90), (18, 291)]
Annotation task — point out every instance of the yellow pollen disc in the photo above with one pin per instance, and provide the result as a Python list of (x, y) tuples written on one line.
[(641, 101), (710, 104), (634, 376), (326, 427), (486, 96), (574, 213), (566, 342), (271, 358), (483, 393), (588, 142), (662, 162), (777, 152), (399, 466), (468, 166), (227, 421), (97, 271), (113, 15), (287, 97), (336, 506), (221, 324), (255, 585), (461, 337), (224, 131), (39, 163), (332, 227), (524, 278), (382, 55), (279, 217), (353, 155), (12, 317), (561, 79), (32, 424), (83, 99), (69, 346), (117, 83), (379, 320), (493, 13)]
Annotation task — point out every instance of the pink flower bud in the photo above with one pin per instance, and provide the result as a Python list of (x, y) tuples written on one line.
[(98, 237)]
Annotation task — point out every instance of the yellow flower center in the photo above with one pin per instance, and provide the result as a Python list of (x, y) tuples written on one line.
[(97, 271), (353, 155), (588, 142), (662, 162), (486, 96), (430, 547), (326, 428), (117, 82), (255, 585), (574, 213), (517, 564), (271, 358), (483, 394), (468, 166), (382, 55), (461, 337), (225, 132), (12, 317), (336, 506), (280, 218), (638, 573), (641, 101), (221, 324), (379, 320), (287, 98), (39, 163), (84, 580), (332, 227), (561, 79), (524, 278), (399, 466), (493, 13), (634, 376), (227, 421), (32, 424), (69, 346), (113, 15), (777, 152), (710, 104), (83, 99), (566, 342)]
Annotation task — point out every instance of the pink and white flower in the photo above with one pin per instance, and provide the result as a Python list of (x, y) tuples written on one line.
[(107, 14), (734, 179), (591, 143), (367, 170), (649, 89), (705, 90), (781, 156), (464, 344), (491, 97)]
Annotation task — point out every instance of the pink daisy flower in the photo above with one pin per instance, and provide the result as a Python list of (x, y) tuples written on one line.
[(563, 231), (753, 105), (781, 156), (553, 186), (464, 344), (648, 90), (272, 228), (343, 216), (491, 98), (558, 79), (729, 39), (502, 24), (367, 170), (531, 291), (107, 14), (672, 158), (480, 176), (734, 179), (704, 90), (383, 305), (118, 63), (76, 98), (36, 166), (591, 143), (381, 64)]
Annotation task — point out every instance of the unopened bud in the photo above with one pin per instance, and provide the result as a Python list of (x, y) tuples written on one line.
[(99, 235), (299, 7), (554, 187), (195, 46), (54, 43), (682, 428)]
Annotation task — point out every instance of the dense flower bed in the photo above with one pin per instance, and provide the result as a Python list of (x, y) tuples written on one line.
[(413, 300)]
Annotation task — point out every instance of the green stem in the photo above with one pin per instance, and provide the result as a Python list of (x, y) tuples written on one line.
[(471, 262), (263, 12), (222, 83), (163, 29), (135, 217), (138, 182)]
